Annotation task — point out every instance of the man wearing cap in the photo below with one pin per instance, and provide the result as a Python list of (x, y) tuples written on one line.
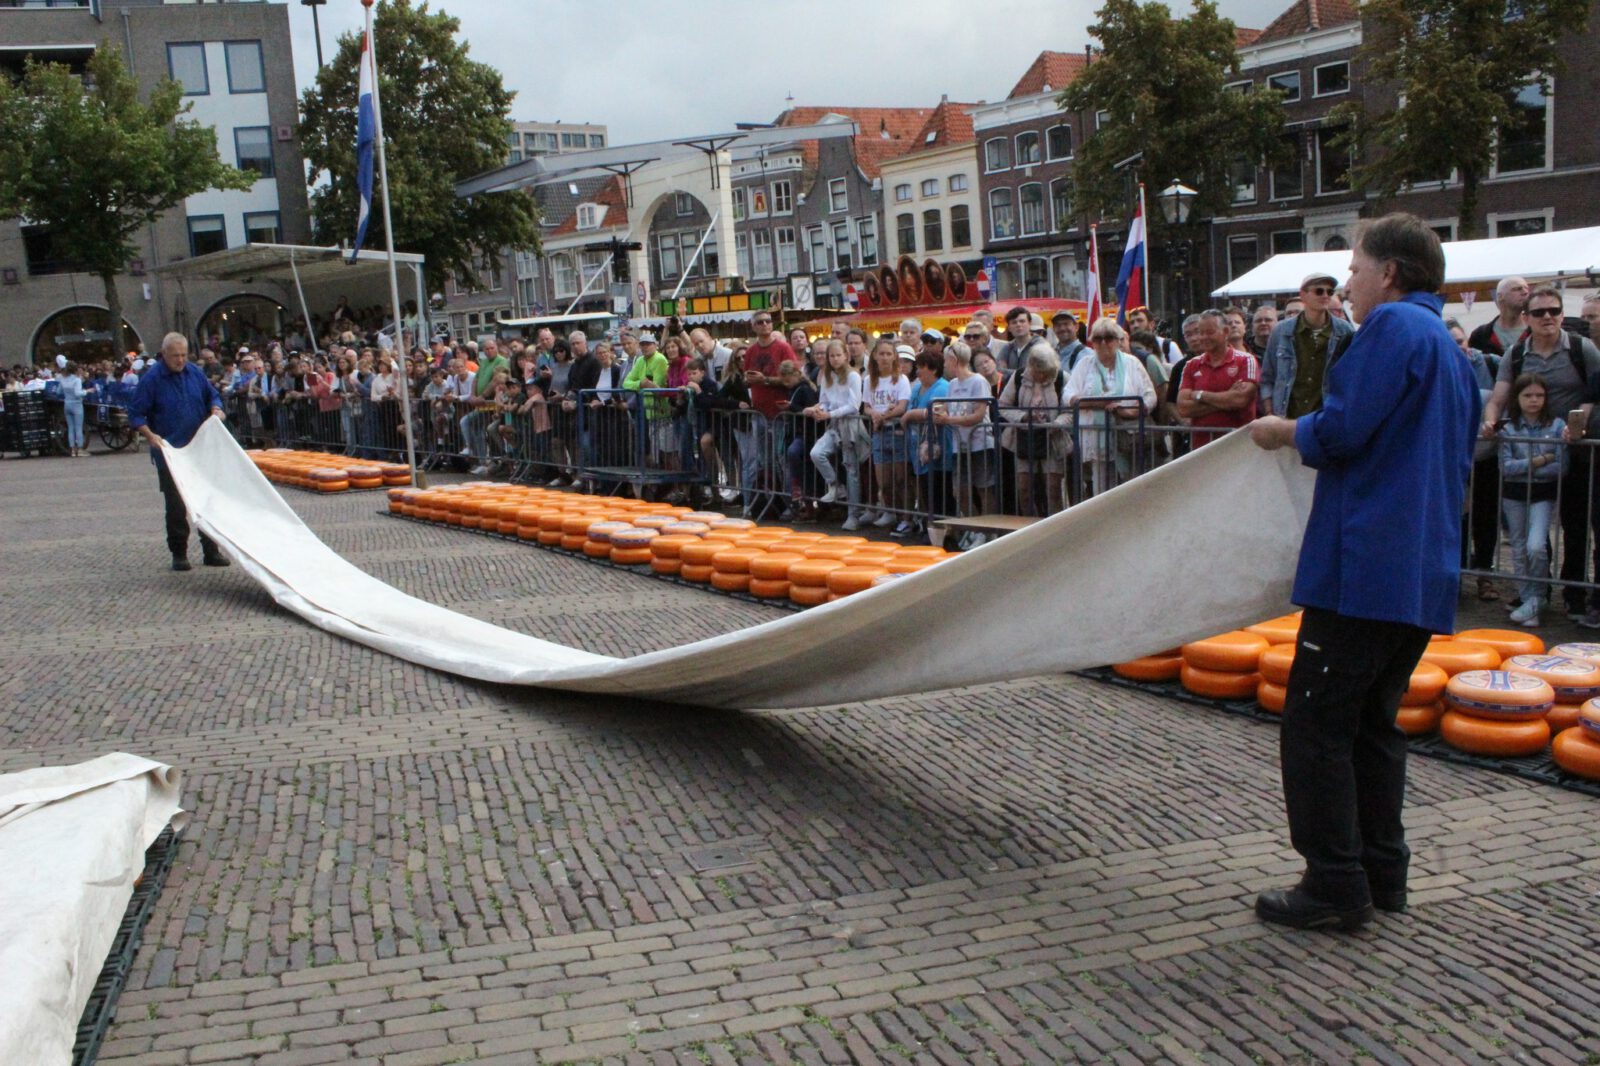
[(1064, 328), (648, 371), (1302, 350), (932, 342), (171, 404)]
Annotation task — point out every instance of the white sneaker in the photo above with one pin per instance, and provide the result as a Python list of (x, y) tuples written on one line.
[(885, 520), (465, 451), (850, 524), (868, 518), (480, 469), (833, 495), (729, 496), (1529, 611)]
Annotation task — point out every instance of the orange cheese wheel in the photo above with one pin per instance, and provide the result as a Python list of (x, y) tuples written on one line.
[(1589, 717), (813, 572), (654, 521), (703, 516), (923, 549), (808, 595), (1275, 662), (870, 557), (397, 495), (827, 550), (851, 579), (1455, 656), (1416, 721), (1427, 685), (798, 537), (769, 589), (701, 554), (599, 531), (1163, 666), (730, 582), (337, 486), (1271, 696), (754, 540), (1577, 751), (550, 538), (1218, 684), (1564, 716), (367, 482), (402, 478), (1284, 630), (1437, 637), (1236, 652), (670, 545), (630, 556), (730, 525), (693, 529), (898, 567), (695, 572), (596, 549), (552, 521), (569, 541), (633, 539), (1481, 736), (669, 567), (1578, 650), (774, 566), (1574, 680), (1499, 695), (527, 532), (1507, 642), (735, 560)]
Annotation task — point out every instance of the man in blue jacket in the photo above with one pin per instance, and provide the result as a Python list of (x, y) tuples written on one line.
[(1378, 573), (172, 402)]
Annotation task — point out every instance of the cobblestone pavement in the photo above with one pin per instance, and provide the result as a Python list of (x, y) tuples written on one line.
[(392, 865)]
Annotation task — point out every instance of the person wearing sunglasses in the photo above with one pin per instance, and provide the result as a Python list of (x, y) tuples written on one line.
[(1301, 351)]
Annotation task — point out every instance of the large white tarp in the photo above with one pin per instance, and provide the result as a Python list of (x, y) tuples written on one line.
[(72, 841), (1202, 545), (1568, 253)]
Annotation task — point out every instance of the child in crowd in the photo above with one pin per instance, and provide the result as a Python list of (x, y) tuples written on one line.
[(1533, 459)]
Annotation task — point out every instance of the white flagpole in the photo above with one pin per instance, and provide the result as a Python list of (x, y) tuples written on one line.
[(402, 361)]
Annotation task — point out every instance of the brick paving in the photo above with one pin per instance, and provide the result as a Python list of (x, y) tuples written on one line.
[(391, 865)]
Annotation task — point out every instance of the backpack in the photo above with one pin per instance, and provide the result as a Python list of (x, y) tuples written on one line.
[(1574, 350)]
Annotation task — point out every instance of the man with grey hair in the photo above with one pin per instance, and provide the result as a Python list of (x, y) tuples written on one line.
[(716, 355), (911, 333), (1496, 336), (172, 402), (1591, 315), (1219, 383)]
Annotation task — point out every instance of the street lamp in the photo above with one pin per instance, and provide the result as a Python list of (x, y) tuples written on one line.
[(1176, 202), (316, 25), (1176, 199)]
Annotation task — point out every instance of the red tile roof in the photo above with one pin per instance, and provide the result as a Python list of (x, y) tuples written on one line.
[(1052, 69), (885, 132), (1303, 16), (611, 195), (950, 123)]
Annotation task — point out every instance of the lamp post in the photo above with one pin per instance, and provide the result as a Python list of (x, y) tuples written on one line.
[(316, 25), (1177, 200)]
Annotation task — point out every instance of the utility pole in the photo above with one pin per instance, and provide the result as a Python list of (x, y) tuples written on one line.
[(316, 25)]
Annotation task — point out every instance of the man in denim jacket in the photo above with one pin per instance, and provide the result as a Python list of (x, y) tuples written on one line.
[(1292, 385)]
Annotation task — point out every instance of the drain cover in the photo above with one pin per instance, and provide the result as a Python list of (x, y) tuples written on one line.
[(716, 857)]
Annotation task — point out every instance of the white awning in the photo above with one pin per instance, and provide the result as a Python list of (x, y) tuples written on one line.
[(701, 320), (1571, 253), (272, 262)]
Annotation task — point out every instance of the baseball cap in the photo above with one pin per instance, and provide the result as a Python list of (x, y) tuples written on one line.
[(647, 337), (244, 351), (61, 361), (933, 335), (905, 351), (1035, 323), (1059, 315), (138, 364), (1318, 275)]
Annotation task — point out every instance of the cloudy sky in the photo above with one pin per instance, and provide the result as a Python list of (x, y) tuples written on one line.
[(651, 69)]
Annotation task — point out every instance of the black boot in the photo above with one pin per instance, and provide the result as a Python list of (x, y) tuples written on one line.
[(1298, 910), (180, 561)]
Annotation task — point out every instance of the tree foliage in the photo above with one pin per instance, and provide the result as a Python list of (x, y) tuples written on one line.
[(1162, 82), (1457, 64), (445, 117), (90, 161)]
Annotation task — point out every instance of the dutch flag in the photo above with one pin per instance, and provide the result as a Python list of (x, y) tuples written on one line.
[(1130, 279), (366, 139)]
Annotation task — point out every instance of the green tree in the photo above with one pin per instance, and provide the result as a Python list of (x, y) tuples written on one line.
[(85, 158), (1163, 84), (1458, 65), (445, 117)]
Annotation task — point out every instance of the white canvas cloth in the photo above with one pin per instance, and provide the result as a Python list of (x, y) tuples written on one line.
[(1204, 544), (72, 842)]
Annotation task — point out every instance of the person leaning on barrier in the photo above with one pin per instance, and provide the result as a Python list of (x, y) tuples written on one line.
[(1219, 383), (1302, 350), (928, 445), (1378, 573), (1033, 404), (839, 405), (1533, 457), (972, 435), (1110, 373), (803, 436), (886, 393)]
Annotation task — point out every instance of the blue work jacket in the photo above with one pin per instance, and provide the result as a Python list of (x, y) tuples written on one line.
[(175, 406), (1392, 447)]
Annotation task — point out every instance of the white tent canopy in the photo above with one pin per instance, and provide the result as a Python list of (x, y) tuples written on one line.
[(1572, 253)]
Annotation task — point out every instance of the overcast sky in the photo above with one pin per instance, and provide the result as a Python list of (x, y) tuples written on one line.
[(649, 69)]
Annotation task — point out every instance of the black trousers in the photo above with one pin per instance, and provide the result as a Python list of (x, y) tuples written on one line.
[(178, 518), (1344, 760), (1580, 530), (1483, 531)]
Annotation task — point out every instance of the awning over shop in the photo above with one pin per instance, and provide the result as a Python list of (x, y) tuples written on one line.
[(1572, 253), (949, 318)]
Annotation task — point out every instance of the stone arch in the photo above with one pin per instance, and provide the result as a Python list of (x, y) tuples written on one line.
[(78, 331)]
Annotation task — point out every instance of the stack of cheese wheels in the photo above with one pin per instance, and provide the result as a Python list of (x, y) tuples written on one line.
[(730, 569), (808, 579), (697, 558), (1224, 666), (598, 532), (396, 474), (1274, 666), (631, 547), (366, 477), (1507, 642), (769, 574), (1161, 666), (666, 552), (1496, 712), (1575, 682), (1577, 748), (1421, 706), (1284, 630), (1457, 656), (853, 577)]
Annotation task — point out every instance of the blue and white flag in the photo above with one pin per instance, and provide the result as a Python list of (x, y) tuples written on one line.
[(366, 139)]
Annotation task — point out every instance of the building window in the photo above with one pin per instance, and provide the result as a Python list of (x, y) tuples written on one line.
[(1027, 149), (516, 156), (1521, 225), (788, 252), (253, 147), (932, 231), (207, 234), (741, 244), (1102, 119), (1289, 177), (573, 140), (1008, 279), (261, 227), (996, 154), (738, 205), (187, 65), (545, 142), (1286, 82), (489, 267), (597, 140), (867, 234), (1030, 198), (1445, 228), (838, 195), (683, 204), (667, 255), (1243, 255), (763, 265), (841, 245), (930, 187), (1066, 282), (1524, 140), (782, 198), (958, 183), (960, 226), (1333, 163), (905, 228), (593, 264), (1242, 175), (588, 216), (1060, 205), (1002, 219), (1330, 79), (526, 293), (1035, 278), (246, 73), (1241, 87), (566, 276), (1288, 240), (1058, 142), (819, 249), (902, 193)]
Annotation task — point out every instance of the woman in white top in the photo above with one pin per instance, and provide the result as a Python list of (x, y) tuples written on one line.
[(887, 393), (384, 411), (840, 406), (1107, 446)]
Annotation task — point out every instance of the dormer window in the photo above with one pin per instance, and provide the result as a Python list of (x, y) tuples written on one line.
[(588, 216)]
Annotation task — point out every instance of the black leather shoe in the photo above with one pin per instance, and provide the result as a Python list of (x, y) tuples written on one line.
[(216, 559), (1294, 908), (1392, 902), (181, 562)]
